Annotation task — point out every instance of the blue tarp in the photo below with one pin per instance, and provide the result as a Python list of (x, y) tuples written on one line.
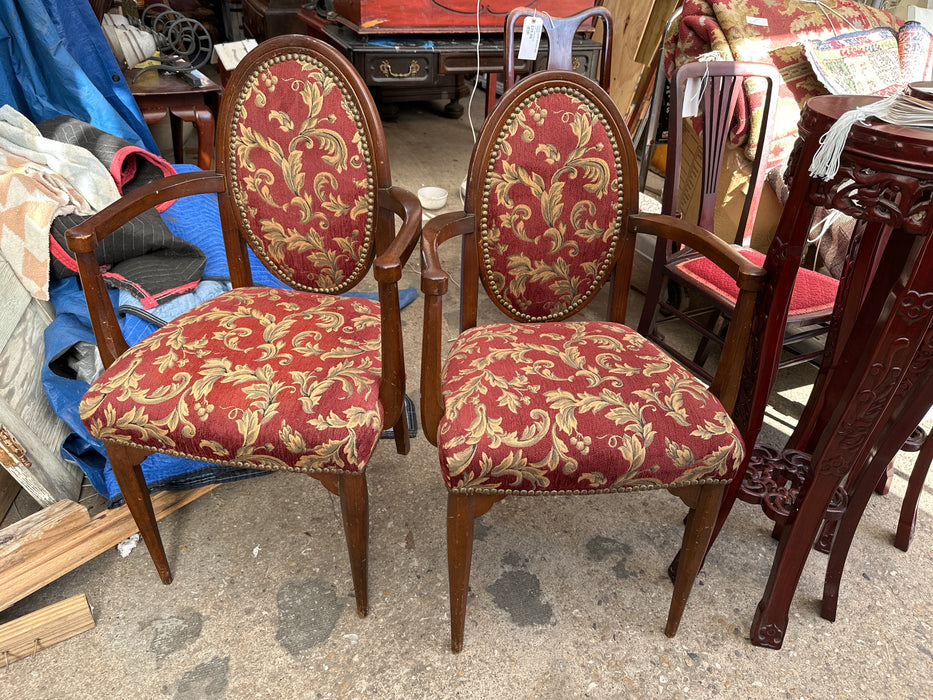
[(55, 59)]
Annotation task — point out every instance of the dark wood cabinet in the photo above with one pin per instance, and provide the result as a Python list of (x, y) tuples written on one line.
[(263, 19), (406, 67)]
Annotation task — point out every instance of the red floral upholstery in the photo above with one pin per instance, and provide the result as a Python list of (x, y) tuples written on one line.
[(813, 292), (312, 226), (577, 407), (551, 217), (263, 378)]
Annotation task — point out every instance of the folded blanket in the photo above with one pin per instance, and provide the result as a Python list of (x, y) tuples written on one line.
[(130, 166), (143, 257)]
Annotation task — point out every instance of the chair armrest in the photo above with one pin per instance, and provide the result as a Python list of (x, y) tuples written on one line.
[(388, 266), (387, 269), (746, 274), (434, 285), (749, 278), (436, 231), (83, 239)]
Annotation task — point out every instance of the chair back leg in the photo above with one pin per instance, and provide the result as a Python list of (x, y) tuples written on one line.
[(918, 475), (400, 432)]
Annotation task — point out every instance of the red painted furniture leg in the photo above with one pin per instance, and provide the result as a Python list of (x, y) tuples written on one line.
[(908, 519)]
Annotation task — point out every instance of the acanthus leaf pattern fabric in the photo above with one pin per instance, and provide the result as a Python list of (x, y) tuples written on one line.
[(302, 178), (258, 377), (551, 219), (580, 406)]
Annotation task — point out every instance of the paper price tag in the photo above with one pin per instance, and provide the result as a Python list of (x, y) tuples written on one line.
[(757, 21), (693, 91), (531, 37)]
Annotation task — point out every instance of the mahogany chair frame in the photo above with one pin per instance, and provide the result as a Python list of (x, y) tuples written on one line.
[(723, 90), (462, 509), (560, 34), (390, 253)]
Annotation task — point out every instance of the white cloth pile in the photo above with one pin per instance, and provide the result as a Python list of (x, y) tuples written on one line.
[(39, 180)]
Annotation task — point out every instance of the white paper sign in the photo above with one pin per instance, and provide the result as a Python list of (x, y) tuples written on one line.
[(693, 91), (230, 54), (531, 37)]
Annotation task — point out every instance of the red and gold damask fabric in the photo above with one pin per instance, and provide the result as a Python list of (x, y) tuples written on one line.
[(551, 219), (257, 377), (577, 407), (764, 31), (302, 177)]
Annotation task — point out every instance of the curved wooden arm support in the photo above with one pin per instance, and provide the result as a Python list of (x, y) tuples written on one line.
[(83, 239), (387, 269), (405, 205), (434, 285), (748, 277), (437, 231)]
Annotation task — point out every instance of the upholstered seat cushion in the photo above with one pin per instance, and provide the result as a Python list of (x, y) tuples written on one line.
[(577, 407), (814, 293), (257, 377)]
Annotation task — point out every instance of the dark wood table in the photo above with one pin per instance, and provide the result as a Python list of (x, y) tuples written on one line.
[(160, 93), (873, 386), (407, 67)]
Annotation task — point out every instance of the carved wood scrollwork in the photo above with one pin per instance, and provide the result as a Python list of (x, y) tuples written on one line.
[(903, 359), (901, 201), (775, 478)]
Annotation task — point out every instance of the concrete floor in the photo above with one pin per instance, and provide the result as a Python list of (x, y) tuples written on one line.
[(568, 596)]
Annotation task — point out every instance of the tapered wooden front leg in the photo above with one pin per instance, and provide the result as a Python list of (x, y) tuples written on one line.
[(354, 506), (400, 431), (125, 462), (697, 535), (462, 511)]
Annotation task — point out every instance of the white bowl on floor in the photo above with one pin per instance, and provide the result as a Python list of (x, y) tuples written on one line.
[(432, 197)]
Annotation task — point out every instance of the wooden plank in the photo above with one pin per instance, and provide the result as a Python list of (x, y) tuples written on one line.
[(25, 410), (41, 629), (638, 29), (39, 549), (13, 301), (654, 29), (25, 539)]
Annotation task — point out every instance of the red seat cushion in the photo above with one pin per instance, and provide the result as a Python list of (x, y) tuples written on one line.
[(257, 377), (577, 407), (813, 292)]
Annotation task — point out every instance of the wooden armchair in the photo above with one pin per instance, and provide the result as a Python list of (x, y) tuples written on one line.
[(540, 403), (712, 295), (298, 379)]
